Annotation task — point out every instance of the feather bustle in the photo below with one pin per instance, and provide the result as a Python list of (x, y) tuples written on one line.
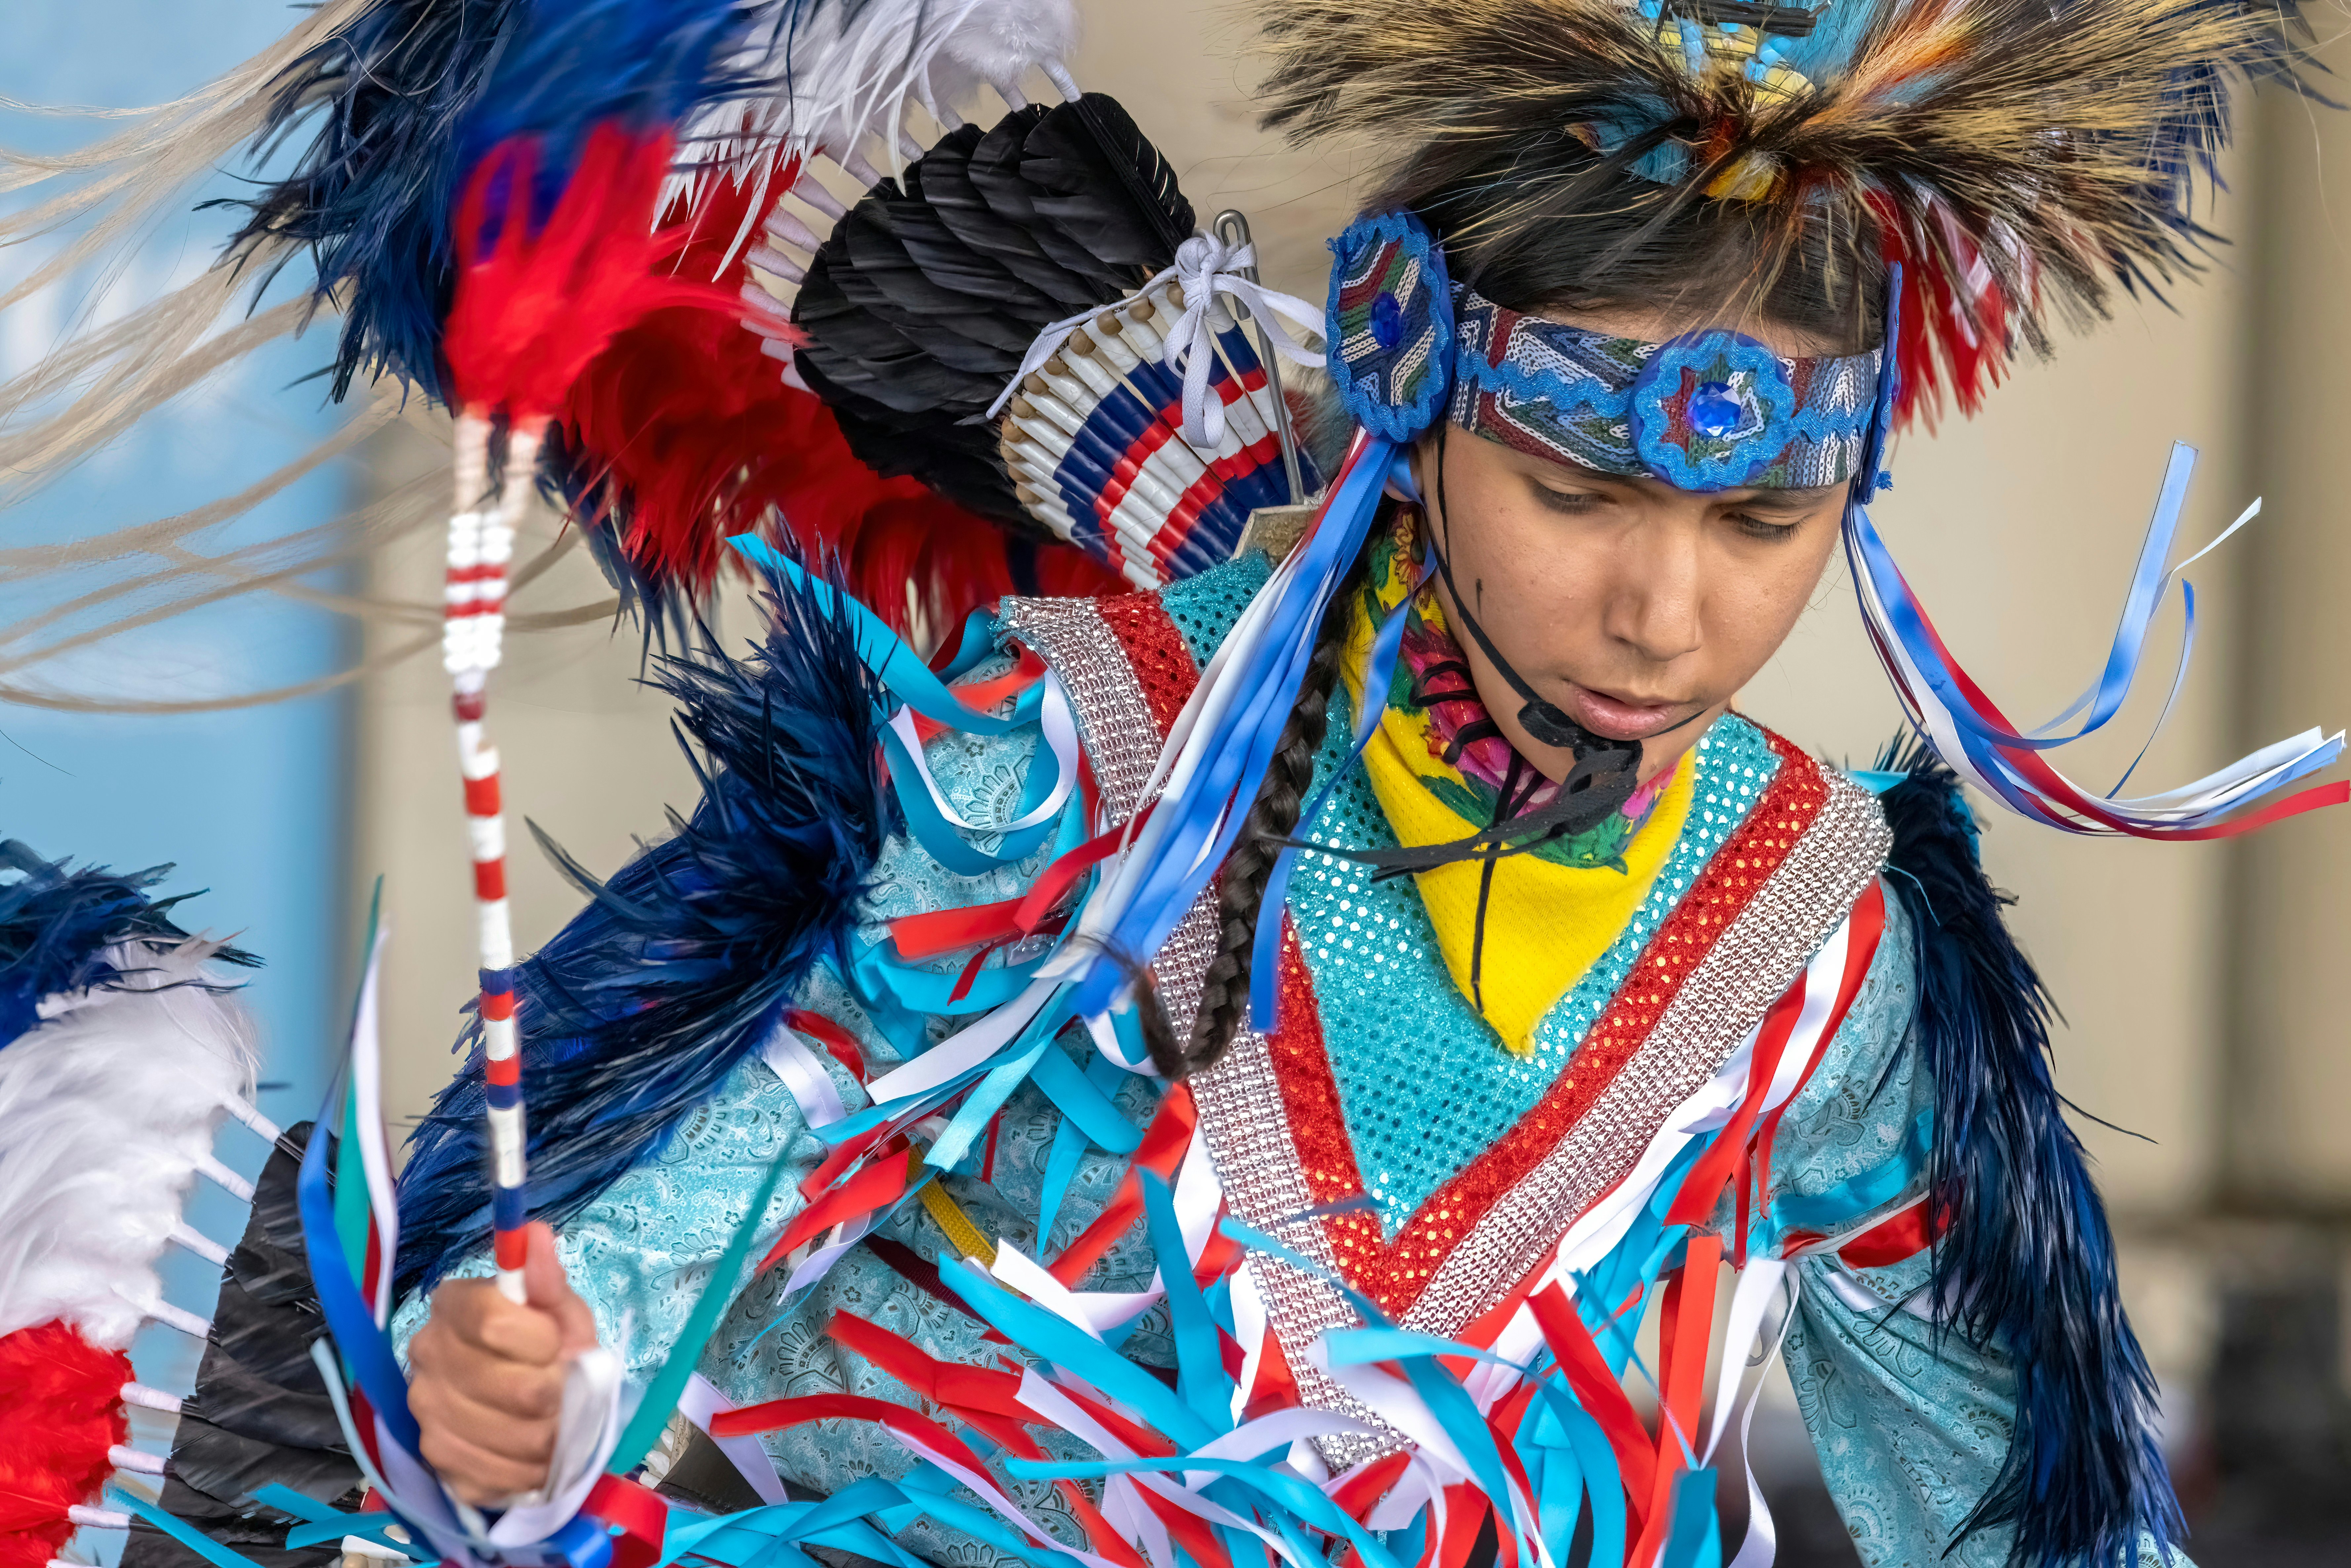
[(2026, 1261), (919, 307)]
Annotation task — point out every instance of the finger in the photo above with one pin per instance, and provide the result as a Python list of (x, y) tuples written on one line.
[(494, 1428), (509, 1389), (548, 1291), (479, 1476), (475, 1312)]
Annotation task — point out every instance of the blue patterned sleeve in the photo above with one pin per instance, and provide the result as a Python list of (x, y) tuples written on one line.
[(641, 1254), (1911, 1424)]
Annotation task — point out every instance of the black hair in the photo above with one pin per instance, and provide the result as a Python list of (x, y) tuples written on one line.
[(1241, 881), (1546, 222), (1550, 223)]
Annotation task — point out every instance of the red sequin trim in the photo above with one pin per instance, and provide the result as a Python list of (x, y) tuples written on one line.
[(1162, 660), (1395, 1274), (1310, 1094)]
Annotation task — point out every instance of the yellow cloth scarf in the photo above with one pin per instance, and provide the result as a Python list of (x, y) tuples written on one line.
[(1552, 912)]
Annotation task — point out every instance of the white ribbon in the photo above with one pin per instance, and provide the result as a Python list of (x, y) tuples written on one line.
[(1204, 267)]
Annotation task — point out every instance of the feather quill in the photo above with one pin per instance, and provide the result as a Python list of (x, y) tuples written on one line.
[(106, 1109)]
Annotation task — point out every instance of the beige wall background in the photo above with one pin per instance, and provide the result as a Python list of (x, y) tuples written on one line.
[(2199, 982)]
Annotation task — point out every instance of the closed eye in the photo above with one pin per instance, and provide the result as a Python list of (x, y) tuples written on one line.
[(1574, 503), (1759, 528)]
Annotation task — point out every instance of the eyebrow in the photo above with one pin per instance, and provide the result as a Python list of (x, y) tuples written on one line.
[(1788, 500)]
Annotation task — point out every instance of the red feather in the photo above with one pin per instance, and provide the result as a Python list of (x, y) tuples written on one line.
[(1953, 337), (61, 1410), (687, 434), (533, 310)]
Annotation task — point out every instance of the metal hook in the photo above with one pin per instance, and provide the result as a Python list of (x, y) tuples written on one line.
[(1232, 227)]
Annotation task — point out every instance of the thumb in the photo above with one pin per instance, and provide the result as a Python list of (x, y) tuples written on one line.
[(546, 1290)]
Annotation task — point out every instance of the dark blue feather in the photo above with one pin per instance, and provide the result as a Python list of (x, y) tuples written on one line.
[(373, 194), (56, 924), (402, 104), (684, 961), (2026, 1262), (571, 65)]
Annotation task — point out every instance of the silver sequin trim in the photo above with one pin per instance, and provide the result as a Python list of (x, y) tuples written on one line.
[(1238, 1100), (1113, 721), (1756, 959)]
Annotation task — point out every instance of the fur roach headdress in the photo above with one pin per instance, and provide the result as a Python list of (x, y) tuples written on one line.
[(2018, 159)]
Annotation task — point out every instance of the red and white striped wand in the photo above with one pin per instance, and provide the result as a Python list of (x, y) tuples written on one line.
[(538, 300), (481, 544)]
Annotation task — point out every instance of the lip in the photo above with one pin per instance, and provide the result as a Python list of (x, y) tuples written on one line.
[(1620, 718)]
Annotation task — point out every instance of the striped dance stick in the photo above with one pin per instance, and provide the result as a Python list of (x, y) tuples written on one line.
[(481, 544)]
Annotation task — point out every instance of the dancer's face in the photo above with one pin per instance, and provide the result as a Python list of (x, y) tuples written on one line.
[(1638, 608)]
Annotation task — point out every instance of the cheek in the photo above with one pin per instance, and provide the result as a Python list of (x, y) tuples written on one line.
[(1761, 594)]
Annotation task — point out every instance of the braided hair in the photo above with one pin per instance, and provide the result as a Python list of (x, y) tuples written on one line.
[(1240, 888)]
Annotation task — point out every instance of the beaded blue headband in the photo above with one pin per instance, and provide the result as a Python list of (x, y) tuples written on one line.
[(1708, 411)]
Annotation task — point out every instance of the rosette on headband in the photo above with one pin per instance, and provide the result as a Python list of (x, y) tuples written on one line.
[(1390, 325), (1711, 410)]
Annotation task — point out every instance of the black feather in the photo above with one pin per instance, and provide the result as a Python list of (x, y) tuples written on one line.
[(2026, 1261), (684, 960), (259, 1412), (920, 306)]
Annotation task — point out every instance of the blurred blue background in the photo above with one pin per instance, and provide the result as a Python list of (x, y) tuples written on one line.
[(249, 804)]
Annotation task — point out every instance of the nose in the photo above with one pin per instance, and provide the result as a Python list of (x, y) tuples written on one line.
[(1653, 605)]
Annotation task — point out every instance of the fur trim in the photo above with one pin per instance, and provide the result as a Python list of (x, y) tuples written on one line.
[(685, 960), (2026, 1261)]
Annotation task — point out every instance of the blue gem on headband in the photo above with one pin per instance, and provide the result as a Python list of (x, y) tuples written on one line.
[(1390, 325), (1715, 409), (1711, 410)]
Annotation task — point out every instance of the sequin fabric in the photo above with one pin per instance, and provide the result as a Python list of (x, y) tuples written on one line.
[(1129, 669), (1070, 635), (1765, 902), (1911, 1428), (1203, 608), (1163, 664), (1367, 941)]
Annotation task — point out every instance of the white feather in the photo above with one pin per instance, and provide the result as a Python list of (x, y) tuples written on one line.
[(846, 73), (106, 1108)]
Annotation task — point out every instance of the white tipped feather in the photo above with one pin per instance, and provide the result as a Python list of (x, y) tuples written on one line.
[(840, 73), (106, 1109)]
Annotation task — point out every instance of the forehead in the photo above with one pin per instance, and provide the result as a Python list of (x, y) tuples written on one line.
[(1547, 467)]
